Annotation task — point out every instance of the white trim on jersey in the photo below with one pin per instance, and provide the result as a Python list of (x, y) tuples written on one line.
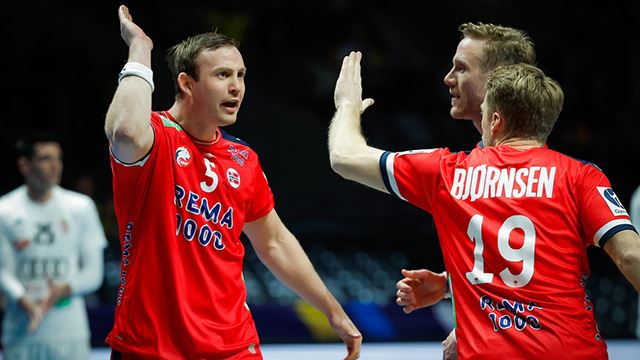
[(418, 151), (392, 180), (608, 226), (140, 162)]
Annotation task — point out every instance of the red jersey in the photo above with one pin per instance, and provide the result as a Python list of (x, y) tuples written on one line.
[(180, 214), (514, 226)]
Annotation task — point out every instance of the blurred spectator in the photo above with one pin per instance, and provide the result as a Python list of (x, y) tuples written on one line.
[(51, 243)]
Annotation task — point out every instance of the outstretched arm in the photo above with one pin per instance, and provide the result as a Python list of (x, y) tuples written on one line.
[(280, 251), (624, 249), (127, 123), (349, 153)]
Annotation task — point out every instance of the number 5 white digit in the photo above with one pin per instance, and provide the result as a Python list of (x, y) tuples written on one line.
[(526, 253), (211, 174)]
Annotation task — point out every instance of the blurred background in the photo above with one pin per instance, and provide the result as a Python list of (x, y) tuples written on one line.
[(61, 64)]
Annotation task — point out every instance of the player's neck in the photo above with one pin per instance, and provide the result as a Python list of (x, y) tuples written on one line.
[(520, 143), (39, 195), (478, 124), (203, 131)]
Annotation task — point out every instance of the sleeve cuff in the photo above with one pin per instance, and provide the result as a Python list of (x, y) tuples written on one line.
[(12, 287)]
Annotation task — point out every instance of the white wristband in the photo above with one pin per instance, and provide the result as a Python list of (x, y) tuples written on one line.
[(139, 70)]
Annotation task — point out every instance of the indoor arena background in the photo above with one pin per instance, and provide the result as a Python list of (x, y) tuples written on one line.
[(60, 71)]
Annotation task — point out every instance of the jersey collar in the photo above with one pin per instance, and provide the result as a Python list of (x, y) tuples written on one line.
[(216, 137)]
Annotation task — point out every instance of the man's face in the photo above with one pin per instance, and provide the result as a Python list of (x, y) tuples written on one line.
[(466, 81), (220, 87), (44, 169)]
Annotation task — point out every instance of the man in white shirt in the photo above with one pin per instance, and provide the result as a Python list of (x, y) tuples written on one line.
[(51, 254)]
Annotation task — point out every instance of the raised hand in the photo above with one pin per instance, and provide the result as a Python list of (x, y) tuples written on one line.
[(129, 31), (349, 85)]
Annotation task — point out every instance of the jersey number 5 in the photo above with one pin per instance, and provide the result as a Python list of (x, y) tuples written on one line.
[(524, 254), (210, 173)]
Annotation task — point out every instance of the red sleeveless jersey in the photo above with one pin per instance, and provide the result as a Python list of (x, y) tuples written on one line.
[(180, 214), (514, 226)]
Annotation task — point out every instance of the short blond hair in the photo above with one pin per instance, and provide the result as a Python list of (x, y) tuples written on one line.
[(529, 100), (503, 45)]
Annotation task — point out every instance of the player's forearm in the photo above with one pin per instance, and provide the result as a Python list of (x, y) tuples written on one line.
[(9, 283), (11, 286), (286, 259), (629, 265), (624, 249), (630, 268), (349, 153), (127, 121), (345, 139), (140, 51)]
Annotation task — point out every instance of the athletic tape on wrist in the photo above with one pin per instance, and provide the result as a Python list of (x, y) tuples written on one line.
[(139, 70), (447, 287)]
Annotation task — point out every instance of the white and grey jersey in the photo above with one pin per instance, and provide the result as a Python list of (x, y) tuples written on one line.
[(60, 239)]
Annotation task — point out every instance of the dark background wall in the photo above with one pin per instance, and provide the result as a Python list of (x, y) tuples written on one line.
[(61, 64)]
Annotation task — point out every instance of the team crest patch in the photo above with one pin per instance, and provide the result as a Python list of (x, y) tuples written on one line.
[(183, 157), (611, 199), (233, 178), (238, 156)]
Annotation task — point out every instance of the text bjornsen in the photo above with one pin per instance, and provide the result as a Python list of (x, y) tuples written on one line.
[(488, 182)]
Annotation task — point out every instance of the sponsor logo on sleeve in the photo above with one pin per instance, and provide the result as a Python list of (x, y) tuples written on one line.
[(239, 156), (612, 201)]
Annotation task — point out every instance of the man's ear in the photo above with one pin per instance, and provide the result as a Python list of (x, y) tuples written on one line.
[(497, 122), (23, 165), (185, 83)]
